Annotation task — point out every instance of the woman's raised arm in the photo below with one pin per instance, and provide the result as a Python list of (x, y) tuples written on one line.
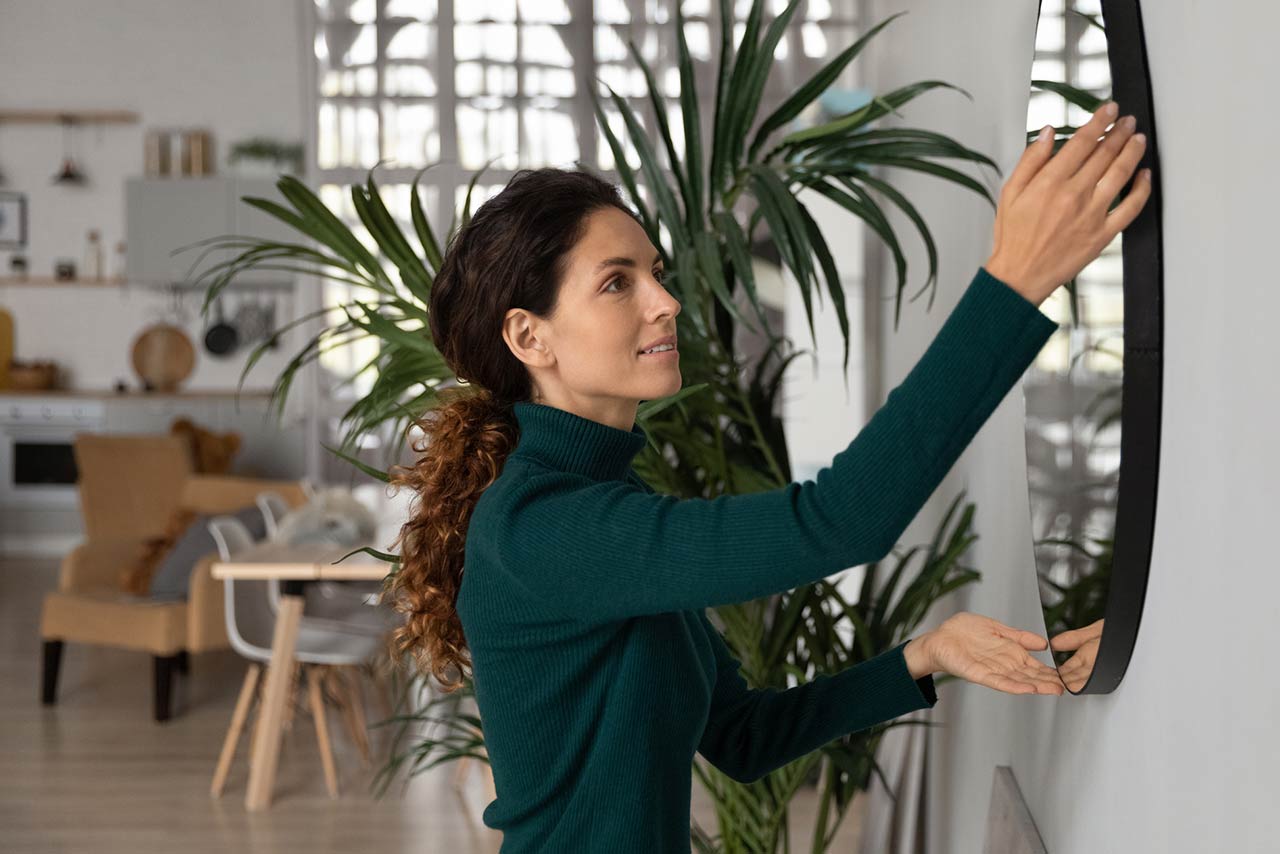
[(607, 550)]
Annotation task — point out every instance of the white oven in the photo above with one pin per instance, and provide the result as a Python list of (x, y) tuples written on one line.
[(37, 467)]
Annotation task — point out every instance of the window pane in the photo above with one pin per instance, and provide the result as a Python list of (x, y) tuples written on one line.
[(487, 128), (359, 81), (408, 39), (545, 11), (544, 44), (612, 12), (1050, 34), (424, 10), (479, 10), (410, 80), (482, 78), (479, 195), (550, 81), (347, 134), (619, 128), (361, 11), (411, 133), (484, 41), (552, 138)]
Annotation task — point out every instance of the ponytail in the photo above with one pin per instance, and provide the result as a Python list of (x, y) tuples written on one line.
[(512, 253), (463, 449)]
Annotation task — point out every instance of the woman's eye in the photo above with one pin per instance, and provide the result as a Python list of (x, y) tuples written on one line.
[(660, 275)]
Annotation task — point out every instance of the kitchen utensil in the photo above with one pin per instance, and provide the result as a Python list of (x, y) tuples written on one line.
[(221, 339), (197, 152), (270, 332), (70, 173), (163, 356), (157, 153), (250, 320)]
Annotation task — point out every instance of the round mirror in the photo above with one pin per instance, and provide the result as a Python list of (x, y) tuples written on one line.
[(1093, 394)]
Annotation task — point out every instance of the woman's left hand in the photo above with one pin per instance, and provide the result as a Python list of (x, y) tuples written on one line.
[(986, 652)]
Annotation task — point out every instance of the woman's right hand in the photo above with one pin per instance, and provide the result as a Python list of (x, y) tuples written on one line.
[(986, 652), (1052, 218)]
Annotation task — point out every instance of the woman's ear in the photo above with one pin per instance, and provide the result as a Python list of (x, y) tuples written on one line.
[(518, 330)]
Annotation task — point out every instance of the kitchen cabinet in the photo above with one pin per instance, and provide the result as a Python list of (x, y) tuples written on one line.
[(164, 214)]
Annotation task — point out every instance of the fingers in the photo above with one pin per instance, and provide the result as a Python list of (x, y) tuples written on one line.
[(1072, 638), (1033, 158), (1082, 143), (1069, 640), (1026, 639), (1018, 674), (1118, 140), (1023, 682), (1127, 211)]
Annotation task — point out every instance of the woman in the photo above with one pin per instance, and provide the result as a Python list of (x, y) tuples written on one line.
[(581, 608)]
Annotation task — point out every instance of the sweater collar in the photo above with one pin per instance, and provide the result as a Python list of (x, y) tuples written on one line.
[(568, 442)]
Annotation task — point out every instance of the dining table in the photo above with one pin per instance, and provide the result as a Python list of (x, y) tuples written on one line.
[(293, 565)]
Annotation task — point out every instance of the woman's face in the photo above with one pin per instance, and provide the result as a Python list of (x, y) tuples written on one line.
[(586, 356)]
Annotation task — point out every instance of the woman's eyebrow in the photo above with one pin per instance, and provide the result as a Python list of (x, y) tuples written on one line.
[(623, 262)]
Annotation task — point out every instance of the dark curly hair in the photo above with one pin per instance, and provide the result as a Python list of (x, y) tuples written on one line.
[(513, 253)]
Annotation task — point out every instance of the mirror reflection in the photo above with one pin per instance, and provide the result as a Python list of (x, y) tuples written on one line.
[(1073, 390)]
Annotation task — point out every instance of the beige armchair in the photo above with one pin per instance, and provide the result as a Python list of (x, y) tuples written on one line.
[(129, 487)]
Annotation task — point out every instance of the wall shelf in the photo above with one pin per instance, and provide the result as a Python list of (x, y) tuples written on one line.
[(185, 287), (44, 281), (54, 117)]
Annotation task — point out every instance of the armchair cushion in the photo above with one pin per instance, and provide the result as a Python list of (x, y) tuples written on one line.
[(96, 563), (110, 617)]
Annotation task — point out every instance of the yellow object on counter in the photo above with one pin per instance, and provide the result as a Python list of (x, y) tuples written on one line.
[(6, 346)]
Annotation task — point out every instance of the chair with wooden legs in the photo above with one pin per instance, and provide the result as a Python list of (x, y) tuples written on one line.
[(250, 624), (347, 605), (344, 606)]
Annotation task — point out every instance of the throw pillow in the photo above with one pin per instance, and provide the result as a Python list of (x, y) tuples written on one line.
[(136, 579), (211, 452), (173, 574)]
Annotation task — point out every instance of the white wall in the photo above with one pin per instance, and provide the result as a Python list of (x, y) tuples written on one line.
[(1181, 756), (234, 67)]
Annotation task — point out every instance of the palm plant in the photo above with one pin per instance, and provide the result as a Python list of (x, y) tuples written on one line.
[(718, 435)]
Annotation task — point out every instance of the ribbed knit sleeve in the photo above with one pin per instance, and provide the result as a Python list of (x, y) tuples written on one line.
[(605, 550), (750, 732)]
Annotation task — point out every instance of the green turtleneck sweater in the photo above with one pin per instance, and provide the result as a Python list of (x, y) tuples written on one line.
[(598, 675)]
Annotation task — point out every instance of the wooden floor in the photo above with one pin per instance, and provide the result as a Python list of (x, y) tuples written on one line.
[(96, 774)]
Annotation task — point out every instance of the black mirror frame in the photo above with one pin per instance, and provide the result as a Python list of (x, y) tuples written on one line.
[(1140, 415)]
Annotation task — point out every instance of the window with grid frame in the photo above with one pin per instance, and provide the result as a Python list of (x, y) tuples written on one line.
[(509, 81)]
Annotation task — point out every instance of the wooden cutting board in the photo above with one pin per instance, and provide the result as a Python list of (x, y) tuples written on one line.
[(163, 356)]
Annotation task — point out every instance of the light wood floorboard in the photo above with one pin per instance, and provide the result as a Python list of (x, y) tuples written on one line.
[(96, 774)]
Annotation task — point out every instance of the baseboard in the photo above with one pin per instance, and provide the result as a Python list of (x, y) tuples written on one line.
[(38, 544)]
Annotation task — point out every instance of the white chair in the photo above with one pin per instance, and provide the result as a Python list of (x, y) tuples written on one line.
[(330, 604), (273, 507), (326, 654)]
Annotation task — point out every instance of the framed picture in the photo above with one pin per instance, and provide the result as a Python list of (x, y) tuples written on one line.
[(13, 220)]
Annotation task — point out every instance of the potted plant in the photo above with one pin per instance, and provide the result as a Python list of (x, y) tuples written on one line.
[(718, 435), (262, 155)]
